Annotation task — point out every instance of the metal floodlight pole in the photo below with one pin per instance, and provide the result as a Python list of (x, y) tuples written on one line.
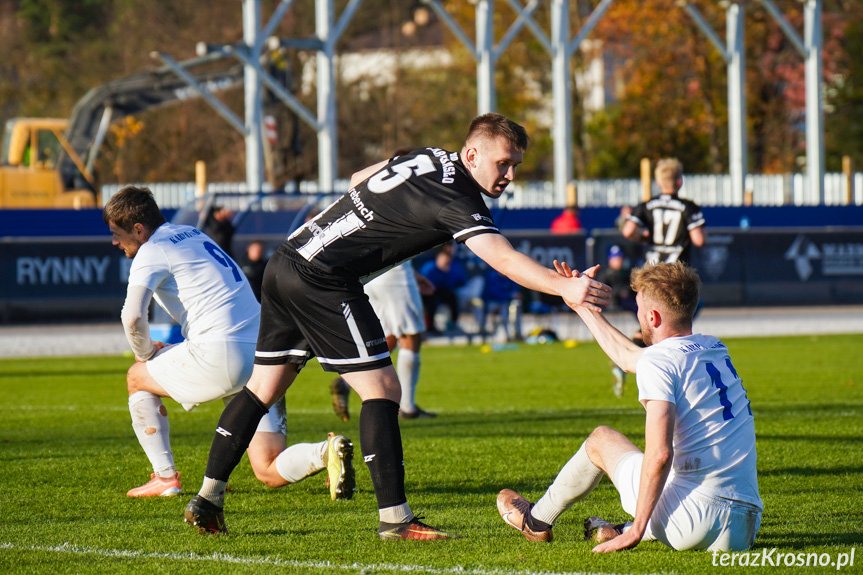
[(484, 51), (736, 70), (734, 55), (220, 108), (561, 131), (328, 33), (561, 52), (486, 97), (326, 81), (810, 48), (814, 101), (253, 93)]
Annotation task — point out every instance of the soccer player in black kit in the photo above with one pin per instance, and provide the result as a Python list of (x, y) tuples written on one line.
[(313, 303), (669, 224)]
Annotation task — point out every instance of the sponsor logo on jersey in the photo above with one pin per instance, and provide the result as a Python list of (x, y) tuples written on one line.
[(375, 342), (482, 218), (366, 213)]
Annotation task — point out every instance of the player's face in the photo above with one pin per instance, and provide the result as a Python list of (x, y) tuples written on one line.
[(643, 311), (129, 242), (492, 164)]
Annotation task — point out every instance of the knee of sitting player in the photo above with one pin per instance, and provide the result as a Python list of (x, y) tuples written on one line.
[(137, 378), (598, 439), (262, 452), (269, 476)]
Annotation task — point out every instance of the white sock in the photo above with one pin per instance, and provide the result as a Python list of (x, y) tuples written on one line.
[(396, 514), (408, 370), (150, 422), (301, 460), (213, 490), (577, 479)]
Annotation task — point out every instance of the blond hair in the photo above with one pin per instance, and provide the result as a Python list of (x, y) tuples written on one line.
[(674, 286), (668, 173)]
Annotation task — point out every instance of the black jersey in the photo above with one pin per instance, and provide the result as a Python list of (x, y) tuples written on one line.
[(668, 218), (418, 201)]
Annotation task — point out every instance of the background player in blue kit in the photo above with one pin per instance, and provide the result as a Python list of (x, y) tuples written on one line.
[(314, 304)]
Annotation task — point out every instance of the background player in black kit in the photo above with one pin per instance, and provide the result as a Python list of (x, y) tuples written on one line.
[(314, 305), (670, 225)]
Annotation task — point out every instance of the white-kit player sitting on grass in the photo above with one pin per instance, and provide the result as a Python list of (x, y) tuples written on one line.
[(695, 486), (206, 293)]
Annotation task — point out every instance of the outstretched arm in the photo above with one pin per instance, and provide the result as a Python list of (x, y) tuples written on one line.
[(577, 290), (616, 346), (658, 457)]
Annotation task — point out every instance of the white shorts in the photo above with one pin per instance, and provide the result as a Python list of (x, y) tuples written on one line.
[(686, 519), (395, 297), (195, 373)]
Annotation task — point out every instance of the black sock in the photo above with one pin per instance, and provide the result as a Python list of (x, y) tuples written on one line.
[(381, 444), (237, 426), (535, 524)]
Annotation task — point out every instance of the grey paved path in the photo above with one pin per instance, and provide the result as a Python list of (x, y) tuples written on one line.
[(108, 339)]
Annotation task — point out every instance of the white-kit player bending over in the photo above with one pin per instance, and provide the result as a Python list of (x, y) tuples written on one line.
[(206, 293)]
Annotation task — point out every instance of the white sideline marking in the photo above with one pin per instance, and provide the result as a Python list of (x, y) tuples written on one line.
[(274, 561)]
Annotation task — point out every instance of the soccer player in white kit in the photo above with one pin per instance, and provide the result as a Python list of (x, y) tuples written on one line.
[(695, 486), (203, 289)]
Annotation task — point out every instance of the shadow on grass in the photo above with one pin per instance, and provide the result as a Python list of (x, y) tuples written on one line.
[(805, 540), (61, 371), (805, 409), (811, 471)]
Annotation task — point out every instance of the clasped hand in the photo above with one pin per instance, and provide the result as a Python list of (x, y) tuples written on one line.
[(590, 294)]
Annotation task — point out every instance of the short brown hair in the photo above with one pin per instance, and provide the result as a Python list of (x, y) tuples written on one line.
[(668, 171), (675, 286), (494, 125), (133, 205)]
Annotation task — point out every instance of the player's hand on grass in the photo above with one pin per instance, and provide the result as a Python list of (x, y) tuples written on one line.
[(627, 540)]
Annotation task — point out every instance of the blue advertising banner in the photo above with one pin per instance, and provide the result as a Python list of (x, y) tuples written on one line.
[(52, 278), (57, 278), (782, 266)]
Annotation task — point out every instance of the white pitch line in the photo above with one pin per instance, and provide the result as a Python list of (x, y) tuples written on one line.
[(275, 561)]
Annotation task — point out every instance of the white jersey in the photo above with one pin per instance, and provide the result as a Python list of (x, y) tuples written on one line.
[(401, 275), (714, 431), (202, 288), (395, 297)]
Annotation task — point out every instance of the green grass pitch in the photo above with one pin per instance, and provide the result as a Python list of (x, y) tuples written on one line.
[(507, 419)]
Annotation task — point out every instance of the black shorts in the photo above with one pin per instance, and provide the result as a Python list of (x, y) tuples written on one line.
[(306, 312)]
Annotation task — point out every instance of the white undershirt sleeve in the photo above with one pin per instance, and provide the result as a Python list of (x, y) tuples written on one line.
[(135, 322)]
